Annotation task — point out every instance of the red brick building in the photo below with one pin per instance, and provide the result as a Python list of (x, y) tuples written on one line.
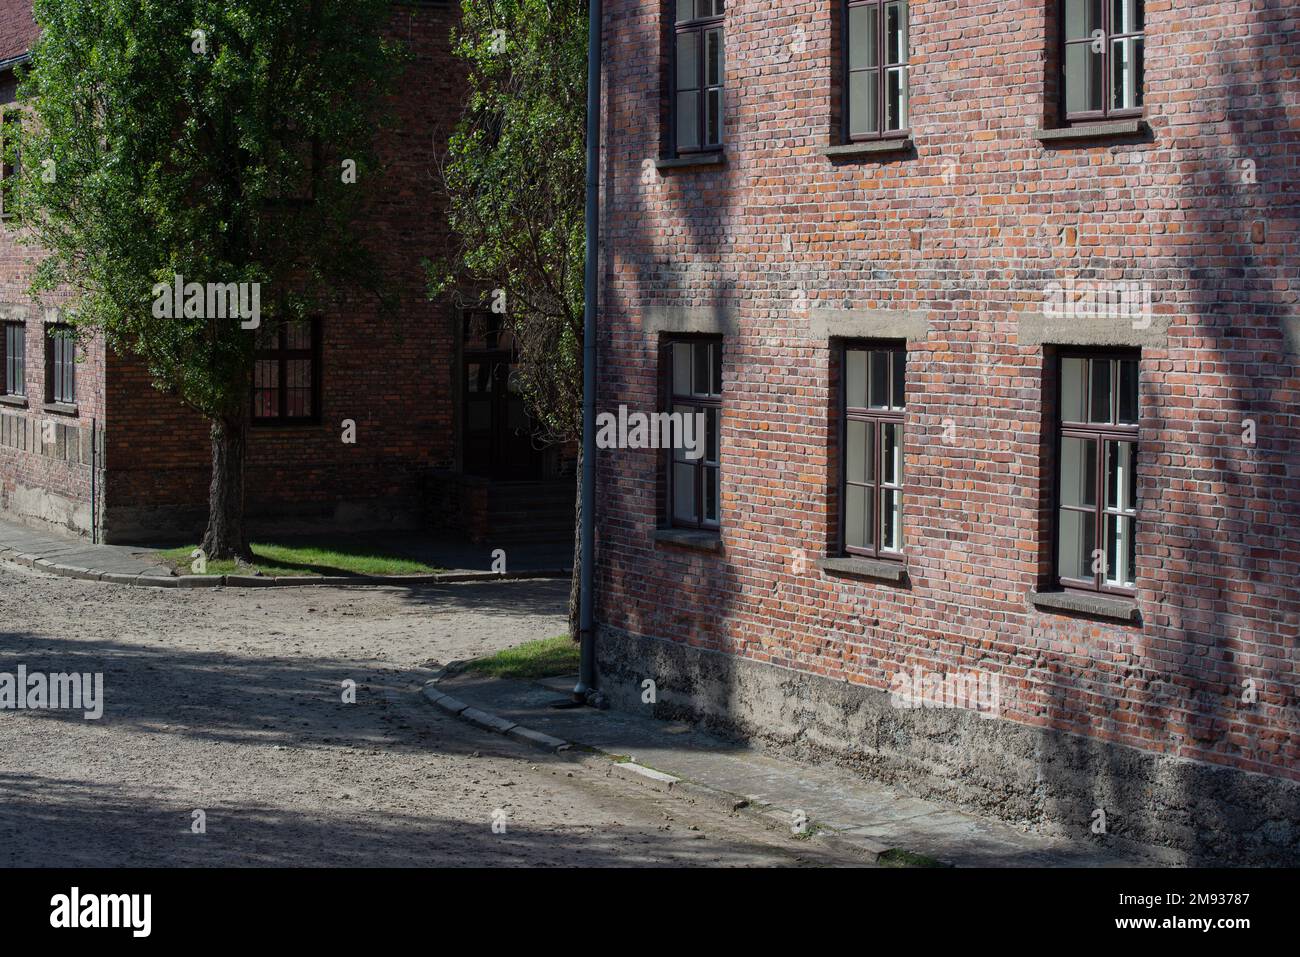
[(995, 306), (440, 439)]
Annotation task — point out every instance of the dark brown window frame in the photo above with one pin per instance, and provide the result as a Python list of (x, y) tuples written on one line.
[(672, 401), (1099, 433), (283, 354), (1106, 112), (880, 69), (7, 362), (700, 26), (60, 365), (876, 417)]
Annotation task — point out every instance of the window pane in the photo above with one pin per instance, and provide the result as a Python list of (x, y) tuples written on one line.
[(688, 60), (1120, 550), (1083, 79), (896, 98), (1120, 479), (298, 335), (864, 37), (299, 399), (857, 516), (685, 10), (896, 32), (1128, 391), (1081, 18), (1099, 398), (715, 350), (856, 378), (900, 379), (711, 494), (1072, 389), (891, 520), (266, 374), (879, 379), (713, 58), (700, 361), (1127, 16), (681, 368), (1126, 74), (860, 456), (891, 453), (1078, 536), (864, 88), (684, 491), (1078, 472), (688, 119), (713, 118), (679, 451)]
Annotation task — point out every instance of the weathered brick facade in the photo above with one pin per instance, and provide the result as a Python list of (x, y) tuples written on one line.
[(952, 244), (396, 378)]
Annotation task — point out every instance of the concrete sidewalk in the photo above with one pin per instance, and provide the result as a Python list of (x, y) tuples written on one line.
[(44, 549), (832, 798)]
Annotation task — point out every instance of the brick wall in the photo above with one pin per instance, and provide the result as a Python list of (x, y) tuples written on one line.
[(968, 228), (45, 453)]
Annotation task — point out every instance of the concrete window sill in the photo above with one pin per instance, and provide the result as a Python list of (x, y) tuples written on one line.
[(689, 538), (846, 151), (17, 401), (60, 408), (857, 567), (1108, 607), (691, 160), (1108, 129)]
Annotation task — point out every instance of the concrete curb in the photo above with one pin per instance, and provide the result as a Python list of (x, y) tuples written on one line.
[(259, 581), (619, 765)]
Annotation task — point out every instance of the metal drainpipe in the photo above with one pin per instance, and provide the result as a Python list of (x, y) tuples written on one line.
[(94, 485), (587, 615)]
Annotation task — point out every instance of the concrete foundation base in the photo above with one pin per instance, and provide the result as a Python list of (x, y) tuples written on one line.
[(1034, 777), (35, 506)]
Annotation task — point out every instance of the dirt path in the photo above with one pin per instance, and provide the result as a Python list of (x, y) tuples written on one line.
[(230, 702)]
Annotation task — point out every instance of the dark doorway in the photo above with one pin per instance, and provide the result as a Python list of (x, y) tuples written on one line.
[(496, 430)]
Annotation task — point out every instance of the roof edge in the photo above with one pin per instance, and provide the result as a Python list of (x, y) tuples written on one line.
[(13, 61)]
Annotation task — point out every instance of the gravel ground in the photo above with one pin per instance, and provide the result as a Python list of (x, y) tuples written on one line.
[(229, 701)]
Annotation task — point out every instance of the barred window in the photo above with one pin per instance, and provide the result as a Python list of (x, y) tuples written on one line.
[(875, 68), (60, 365), (698, 75), (1098, 462), (14, 367), (1102, 58), (871, 477), (695, 387), (286, 374)]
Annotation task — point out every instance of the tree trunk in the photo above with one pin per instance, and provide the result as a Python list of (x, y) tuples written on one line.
[(224, 538), (575, 586)]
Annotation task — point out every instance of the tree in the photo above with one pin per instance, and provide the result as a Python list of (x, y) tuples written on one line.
[(514, 177), (224, 142)]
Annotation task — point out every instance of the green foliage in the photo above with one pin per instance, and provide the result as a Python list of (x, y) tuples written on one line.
[(515, 176), (148, 150)]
